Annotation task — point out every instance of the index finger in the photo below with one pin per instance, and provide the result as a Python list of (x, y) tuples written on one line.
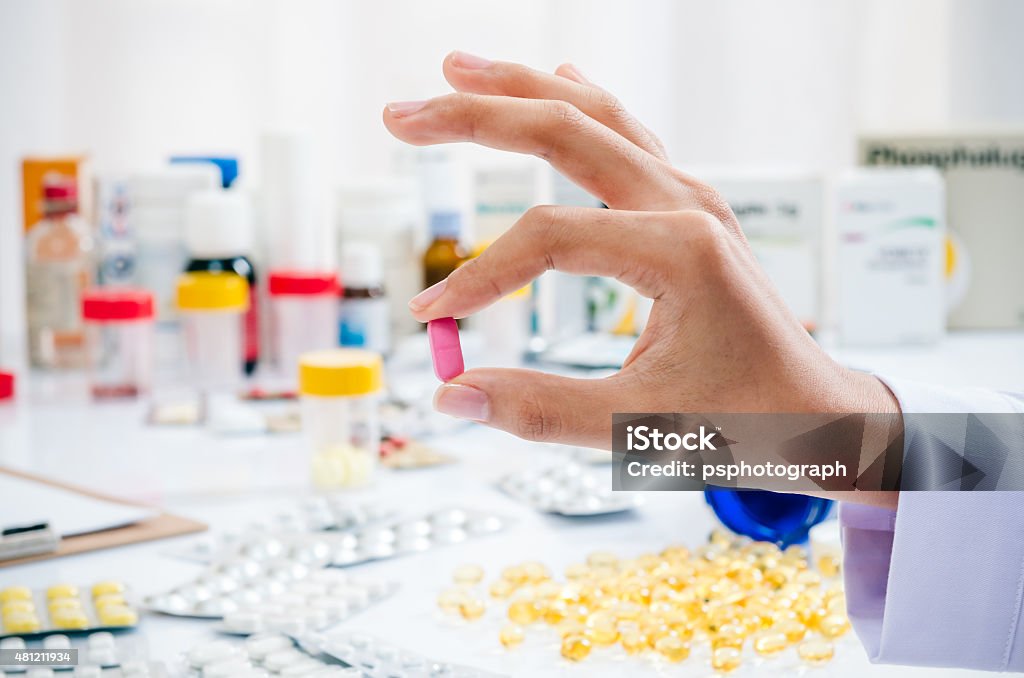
[(598, 159), (628, 246)]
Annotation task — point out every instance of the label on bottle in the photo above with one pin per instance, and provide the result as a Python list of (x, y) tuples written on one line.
[(53, 296), (158, 264), (364, 324)]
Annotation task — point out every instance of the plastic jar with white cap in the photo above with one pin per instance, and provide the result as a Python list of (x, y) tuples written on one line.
[(119, 340), (211, 305), (340, 392), (219, 238), (303, 315)]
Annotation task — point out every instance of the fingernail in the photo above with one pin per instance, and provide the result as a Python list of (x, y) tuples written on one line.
[(464, 402), (469, 61), (427, 296), (401, 109), (577, 74)]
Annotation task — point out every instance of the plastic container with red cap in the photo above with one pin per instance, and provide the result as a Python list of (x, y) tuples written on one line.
[(6, 385), (119, 340), (303, 315)]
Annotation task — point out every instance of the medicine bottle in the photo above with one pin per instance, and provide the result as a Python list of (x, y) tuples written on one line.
[(219, 238), (119, 340), (60, 265), (303, 315), (784, 519), (364, 314), (211, 305), (444, 254), (340, 392)]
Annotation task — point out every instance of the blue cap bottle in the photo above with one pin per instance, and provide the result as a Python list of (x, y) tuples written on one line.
[(784, 519)]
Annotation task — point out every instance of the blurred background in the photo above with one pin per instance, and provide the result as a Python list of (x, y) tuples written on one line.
[(737, 83)]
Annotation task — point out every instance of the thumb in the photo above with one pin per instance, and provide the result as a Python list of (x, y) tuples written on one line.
[(534, 405)]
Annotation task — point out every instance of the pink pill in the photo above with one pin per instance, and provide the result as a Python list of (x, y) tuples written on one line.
[(445, 349)]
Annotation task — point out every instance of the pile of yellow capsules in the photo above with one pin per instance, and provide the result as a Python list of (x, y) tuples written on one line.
[(728, 593)]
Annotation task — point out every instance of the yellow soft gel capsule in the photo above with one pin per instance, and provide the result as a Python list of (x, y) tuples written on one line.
[(104, 588), (575, 647), (523, 612), (64, 604), (672, 648), (62, 591), (472, 608), (450, 599), (816, 650), (69, 618), (118, 615), (15, 593), (834, 625), (770, 643), (468, 575), (21, 622), (633, 642), (511, 635), (726, 659)]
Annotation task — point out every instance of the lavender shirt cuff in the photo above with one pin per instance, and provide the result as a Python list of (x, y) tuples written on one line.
[(939, 581)]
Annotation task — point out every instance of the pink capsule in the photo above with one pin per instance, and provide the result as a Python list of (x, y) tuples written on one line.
[(445, 348)]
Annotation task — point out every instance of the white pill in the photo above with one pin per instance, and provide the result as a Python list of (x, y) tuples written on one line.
[(101, 639), (12, 643), (39, 672), (57, 641), (88, 671), (275, 661), (261, 645), (301, 668), (290, 624), (104, 656), (214, 651), (135, 668), (228, 667), (243, 622)]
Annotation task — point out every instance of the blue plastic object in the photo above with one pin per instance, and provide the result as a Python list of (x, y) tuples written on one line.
[(227, 165), (784, 519)]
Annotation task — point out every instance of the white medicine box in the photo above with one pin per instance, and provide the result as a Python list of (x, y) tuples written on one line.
[(984, 174), (780, 212), (890, 256)]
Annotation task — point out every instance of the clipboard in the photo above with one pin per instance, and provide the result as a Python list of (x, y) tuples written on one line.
[(161, 526)]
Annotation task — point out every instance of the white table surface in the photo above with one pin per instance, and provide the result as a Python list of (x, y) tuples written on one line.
[(231, 481)]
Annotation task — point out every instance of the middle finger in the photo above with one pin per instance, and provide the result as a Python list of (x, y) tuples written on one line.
[(601, 161)]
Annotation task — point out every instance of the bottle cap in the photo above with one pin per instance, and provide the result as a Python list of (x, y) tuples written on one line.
[(218, 225), (361, 265), (111, 303), (6, 385), (60, 189), (445, 224), (303, 283), (340, 372), (784, 519), (212, 291)]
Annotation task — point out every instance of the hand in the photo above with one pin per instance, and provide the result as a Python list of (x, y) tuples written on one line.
[(719, 338)]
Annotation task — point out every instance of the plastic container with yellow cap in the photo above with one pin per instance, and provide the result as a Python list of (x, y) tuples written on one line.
[(212, 306), (340, 391)]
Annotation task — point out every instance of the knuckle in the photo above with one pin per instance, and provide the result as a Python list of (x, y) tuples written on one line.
[(609, 106), (563, 114), (537, 423), (705, 233)]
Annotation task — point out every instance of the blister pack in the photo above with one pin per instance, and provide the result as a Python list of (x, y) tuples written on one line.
[(316, 514), (568, 489), (97, 652), (376, 658), (29, 612), (275, 595)]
